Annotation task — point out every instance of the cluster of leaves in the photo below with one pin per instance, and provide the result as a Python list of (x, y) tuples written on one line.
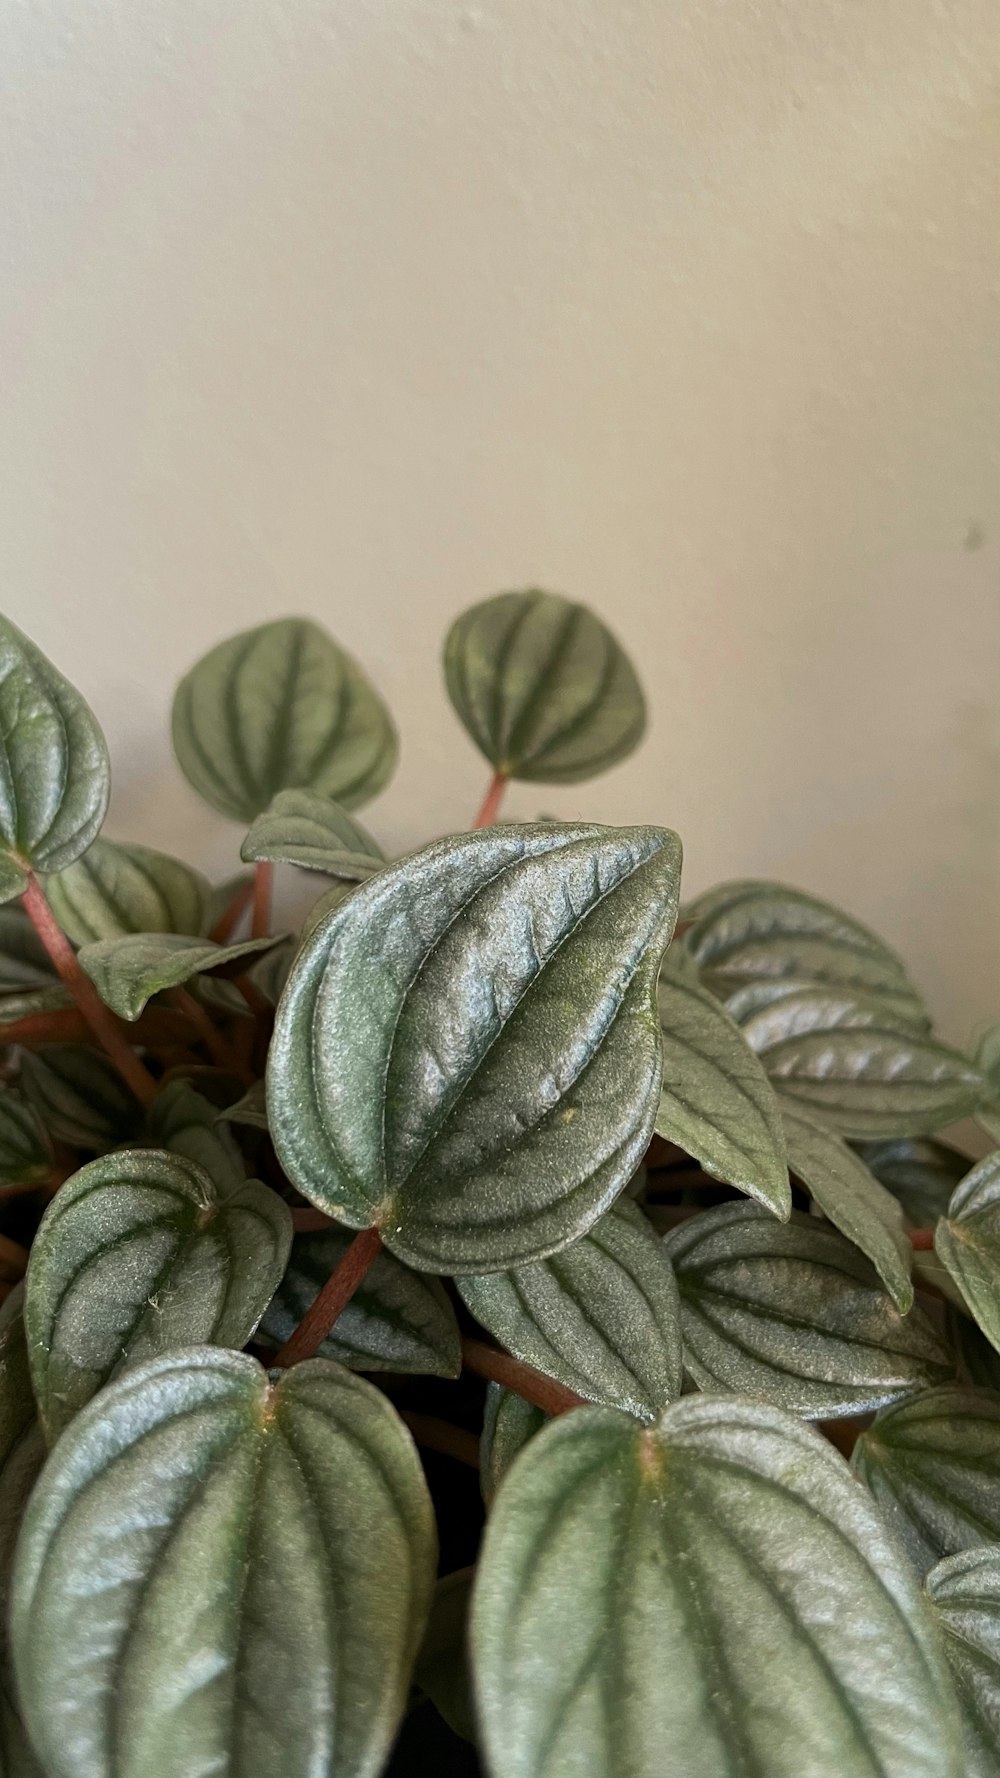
[(474, 1203)]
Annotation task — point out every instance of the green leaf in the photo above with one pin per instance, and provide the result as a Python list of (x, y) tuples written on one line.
[(841, 1185), (443, 1664), (54, 773), (979, 1362), (139, 1254), (601, 1316), (281, 707), (543, 688), (830, 1052), (921, 1172), (986, 1051), (933, 1465), (967, 1241), (24, 961), (25, 1150), (80, 1096), (794, 1315), (127, 972), (309, 830), (467, 1053), (716, 1101), (15, 1007), (710, 1596), (251, 1109), (333, 898), (116, 889), (395, 1321), (964, 1592), (508, 1423), (895, 1012), (221, 1575), (185, 1123), (22, 1453)]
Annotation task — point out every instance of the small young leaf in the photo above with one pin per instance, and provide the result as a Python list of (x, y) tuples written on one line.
[(184, 1122), (443, 1664), (80, 1096), (54, 773), (841, 1185), (967, 1241), (543, 688), (964, 1592), (127, 972), (793, 1314), (138, 1254), (281, 707), (933, 1465), (309, 830), (251, 1109), (921, 1172), (467, 1053), (25, 1149), (24, 961), (601, 1316), (396, 1320), (716, 1102), (705, 1597), (218, 1575), (508, 1423), (116, 889), (986, 1051)]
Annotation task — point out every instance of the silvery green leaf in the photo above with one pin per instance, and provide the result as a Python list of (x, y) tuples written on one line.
[(325, 904), (251, 1109), (281, 707), (218, 1574), (316, 833), (508, 1423), (54, 773), (793, 1314), (467, 1052), (79, 1096), (32, 1003), (933, 1465), (986, 1051), (543, 688), (443, 1663), (24, 961), (115, 889), (883, 1008), (22, 1453), (716, 1102), (397, 1320), (182, 1121), (964, 1592), (25, 1149), (127, 972), (601, 1316), (920, 1171), (708, 1597), (137, 1254), (967, 1241), (853, 1200)]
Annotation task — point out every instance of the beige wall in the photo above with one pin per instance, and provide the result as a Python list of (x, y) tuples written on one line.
[(366, 308)]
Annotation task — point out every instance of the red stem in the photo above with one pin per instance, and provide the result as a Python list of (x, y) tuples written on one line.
[(98, 1016), (220, 1050), (332, 1300), (491, 801), (230, 917), (922, 1240), (499, 1367), (440, 1435), (263, 881)]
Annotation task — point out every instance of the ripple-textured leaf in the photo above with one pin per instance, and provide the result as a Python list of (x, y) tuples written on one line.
[(316, 833), (25, 1149), (933, 1465), (846, 1192), (964, 1592), (601, 1316), (127, 972), (139, 1254), (508, 1423), (709, 1597), (115, 889), (967, 1241), (80, 1096), (793, 1314), (281, 707), (22, 1453), (184, 1122), (218, 1576), (467, 1051), (921, 1172), (543, 688)]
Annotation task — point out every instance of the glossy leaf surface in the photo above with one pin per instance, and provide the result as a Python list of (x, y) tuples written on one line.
[(853, 1200), (22, 1453), (127, 972), (263, 1559), (309, 830), (543, 688), (467, 1052), (79, 1096), (933, 1465), (793, 1314), (116, 889), (710, 1597), (137, 1255), (967, 1241), (281, 707), (508, 1423), (964, 1592)]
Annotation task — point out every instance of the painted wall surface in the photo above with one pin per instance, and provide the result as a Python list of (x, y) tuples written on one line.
[(367, 308)]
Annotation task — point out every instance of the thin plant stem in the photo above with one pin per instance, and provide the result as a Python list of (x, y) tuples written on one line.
[(440, 1435), (491, 801), (499, 1367), (331, 1301), (232, 914), (263, 883), (218, 1047)]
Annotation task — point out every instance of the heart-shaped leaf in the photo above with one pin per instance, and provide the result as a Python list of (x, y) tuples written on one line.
[(831, 1053), (127, 972), (508, 1423), (543, 688), (79, 1096), (467, 1053), (921, 1172), (218, 1575), (281, 707), (601, 1316), (22, 1453), (964, 1592), (397, 1320), (115, 889), (841, 1185), (443, 1665), (136, 1255), (54, 773), (184, 1122), (24, 961), (933, 1465), (967, 1241), (793, 1314), (25, 1149), (708, 1597), (716, 1102), (309, 830)]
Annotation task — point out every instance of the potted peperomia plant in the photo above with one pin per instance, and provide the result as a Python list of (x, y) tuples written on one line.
[(512, 1326)]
